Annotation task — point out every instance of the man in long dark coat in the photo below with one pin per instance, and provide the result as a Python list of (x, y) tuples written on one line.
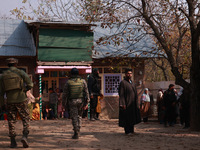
[(129, 113), (170, 101), (94, 91), (184, 100)]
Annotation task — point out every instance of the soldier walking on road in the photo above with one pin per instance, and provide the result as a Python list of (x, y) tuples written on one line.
[(12, 84), (75, 97)]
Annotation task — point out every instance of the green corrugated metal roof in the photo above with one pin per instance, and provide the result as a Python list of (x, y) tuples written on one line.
[(64, 45), (60, 54)]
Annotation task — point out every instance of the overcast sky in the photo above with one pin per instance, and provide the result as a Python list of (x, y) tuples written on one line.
[(7, 5)]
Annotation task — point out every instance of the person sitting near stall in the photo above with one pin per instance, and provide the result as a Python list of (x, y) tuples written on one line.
[(36, 112)]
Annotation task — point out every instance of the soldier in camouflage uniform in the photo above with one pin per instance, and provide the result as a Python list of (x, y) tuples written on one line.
[(15, 91), (75, 97)]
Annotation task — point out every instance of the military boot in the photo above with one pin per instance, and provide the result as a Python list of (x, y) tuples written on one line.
[(13, 142), (24, 141), (76, 135)]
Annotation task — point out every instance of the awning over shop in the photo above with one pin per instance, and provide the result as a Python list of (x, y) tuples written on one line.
[(41, 69)]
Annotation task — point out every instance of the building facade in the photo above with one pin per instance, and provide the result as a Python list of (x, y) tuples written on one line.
[(61, 47), (17, 41), (47, 51)]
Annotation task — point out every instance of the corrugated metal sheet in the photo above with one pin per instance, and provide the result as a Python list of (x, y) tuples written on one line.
[(65, 45), (15, 39)]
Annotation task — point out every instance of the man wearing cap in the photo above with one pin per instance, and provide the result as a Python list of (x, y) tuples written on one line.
[(13, 84), (75, 97)]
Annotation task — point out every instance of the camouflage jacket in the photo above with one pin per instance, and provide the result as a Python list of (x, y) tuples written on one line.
[(66, 94), (15, 96)]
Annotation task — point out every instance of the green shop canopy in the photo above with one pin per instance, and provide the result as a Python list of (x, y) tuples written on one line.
[(65, 45)]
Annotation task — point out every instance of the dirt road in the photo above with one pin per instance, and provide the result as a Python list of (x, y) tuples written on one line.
[(102, 135)]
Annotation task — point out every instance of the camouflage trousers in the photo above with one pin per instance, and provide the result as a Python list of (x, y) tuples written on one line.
[(76, 111), (22, 109)]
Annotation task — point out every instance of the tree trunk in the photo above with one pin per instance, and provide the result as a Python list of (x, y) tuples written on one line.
[(195, 101), (195, 84)]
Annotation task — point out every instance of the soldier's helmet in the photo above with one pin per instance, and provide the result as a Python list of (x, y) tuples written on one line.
[(12, 61)]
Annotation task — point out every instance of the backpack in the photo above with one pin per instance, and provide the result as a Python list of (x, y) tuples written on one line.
[(75, 88), (12, 80)]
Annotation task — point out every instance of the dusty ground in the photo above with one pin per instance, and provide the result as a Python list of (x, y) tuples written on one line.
[(102, 135)]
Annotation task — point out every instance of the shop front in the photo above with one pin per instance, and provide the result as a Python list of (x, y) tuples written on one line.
[(56, 77)]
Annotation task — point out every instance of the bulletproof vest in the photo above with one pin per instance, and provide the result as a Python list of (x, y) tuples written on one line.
[(12, 80), (75, 88)]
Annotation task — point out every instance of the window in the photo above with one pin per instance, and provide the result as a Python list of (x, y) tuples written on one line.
[(46, 74), (54, 84), (54, 74), (111, 84)]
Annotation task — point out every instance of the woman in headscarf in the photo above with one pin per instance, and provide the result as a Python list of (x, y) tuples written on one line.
[(160, 106), (145, 105)]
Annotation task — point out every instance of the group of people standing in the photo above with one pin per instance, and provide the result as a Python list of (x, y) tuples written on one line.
[(76, 95), (171, 104), (53, 109), (14, 84)]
